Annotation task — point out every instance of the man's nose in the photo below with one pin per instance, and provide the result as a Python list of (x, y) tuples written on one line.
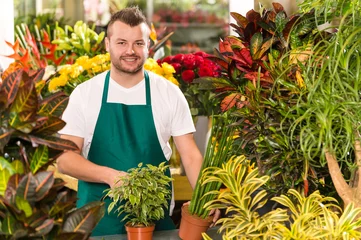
[(130, 49)]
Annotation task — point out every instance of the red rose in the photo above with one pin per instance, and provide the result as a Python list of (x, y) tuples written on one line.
[(202, 54), (205, 71), (178, 58), (168, 59), (199, 60), (177, 67), (188, 76), (189, 61)]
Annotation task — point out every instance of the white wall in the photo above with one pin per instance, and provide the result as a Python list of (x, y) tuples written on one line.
[(6, 31), (241, 7)]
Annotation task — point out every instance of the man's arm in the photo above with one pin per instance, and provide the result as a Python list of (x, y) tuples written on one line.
[(190, 155), (75, 165)]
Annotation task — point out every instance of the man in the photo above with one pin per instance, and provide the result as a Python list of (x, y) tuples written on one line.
[(125, 116)]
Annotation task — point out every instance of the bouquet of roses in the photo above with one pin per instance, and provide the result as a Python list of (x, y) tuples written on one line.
[(189, 67)]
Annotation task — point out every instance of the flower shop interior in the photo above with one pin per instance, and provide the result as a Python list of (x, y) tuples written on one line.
[(272, 88)]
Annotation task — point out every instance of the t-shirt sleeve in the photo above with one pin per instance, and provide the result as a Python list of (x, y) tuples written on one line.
[(73, 115), (182, 122)]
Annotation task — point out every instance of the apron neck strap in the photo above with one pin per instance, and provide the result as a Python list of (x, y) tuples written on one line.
[(147, 88)]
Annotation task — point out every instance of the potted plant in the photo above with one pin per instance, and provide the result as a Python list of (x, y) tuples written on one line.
[(34, 204), (141, 197), (195, 218)]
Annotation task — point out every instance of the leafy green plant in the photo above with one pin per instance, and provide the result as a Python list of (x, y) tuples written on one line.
[(79, 40), (312, 217), (241, 198), (41, 207), (142, 194), (260, 82), (327, 114), (34, 205), (218, 147)]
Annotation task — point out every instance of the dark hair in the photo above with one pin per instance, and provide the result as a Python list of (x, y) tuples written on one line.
[(131, 16)]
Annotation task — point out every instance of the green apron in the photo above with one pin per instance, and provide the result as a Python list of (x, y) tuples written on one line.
[(124, 136)]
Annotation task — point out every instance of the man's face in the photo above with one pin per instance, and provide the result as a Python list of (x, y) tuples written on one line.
[(128, 46)]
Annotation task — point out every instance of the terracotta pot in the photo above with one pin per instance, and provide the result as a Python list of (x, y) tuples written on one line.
[(140, 232), (191, 226)]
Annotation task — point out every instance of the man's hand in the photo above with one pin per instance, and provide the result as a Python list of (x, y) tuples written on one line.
[(214, 212), (114, 181)]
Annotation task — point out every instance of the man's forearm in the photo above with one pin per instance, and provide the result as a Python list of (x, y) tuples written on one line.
[(193, 170), (73, 164)]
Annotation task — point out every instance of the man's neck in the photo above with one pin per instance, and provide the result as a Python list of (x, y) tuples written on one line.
[(127, 80)]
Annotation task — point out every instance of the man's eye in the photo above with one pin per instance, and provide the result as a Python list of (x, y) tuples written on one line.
[(140, 44), (121, 43)]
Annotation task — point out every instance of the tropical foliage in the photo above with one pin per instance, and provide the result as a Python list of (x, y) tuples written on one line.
[(34, 203), (327, 114), (312, 217), (218, 148), (141, 205), (259, 84)]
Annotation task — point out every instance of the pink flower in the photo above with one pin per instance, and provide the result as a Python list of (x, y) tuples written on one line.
[(188, 76)]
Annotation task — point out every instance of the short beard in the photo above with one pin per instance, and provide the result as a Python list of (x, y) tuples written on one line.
[(134, 71)]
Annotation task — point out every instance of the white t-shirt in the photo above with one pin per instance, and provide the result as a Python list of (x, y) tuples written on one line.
[(171, 112)]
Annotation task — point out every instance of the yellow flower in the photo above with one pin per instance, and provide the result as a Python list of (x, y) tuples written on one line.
[(76, 70), (167, 68), (153, 33), (82, 60), (172, 79)]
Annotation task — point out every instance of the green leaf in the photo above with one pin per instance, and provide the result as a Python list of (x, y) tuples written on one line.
[(23, 205), (256, 44), (85, 218), (54, 105), (10, 86), (37, 75), (27, 188), (18, 166), (23, 110), (6, 170), (54, 142), (133, 199), (45, 181), (39, 158), (49, 126), (5, 135)]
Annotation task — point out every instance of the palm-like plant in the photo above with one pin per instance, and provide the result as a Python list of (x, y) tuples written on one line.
[(328, 113), (312, 217), (241, 199), (316, 217)]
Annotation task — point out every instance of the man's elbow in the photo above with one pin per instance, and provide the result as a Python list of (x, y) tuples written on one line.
[(61, 163)]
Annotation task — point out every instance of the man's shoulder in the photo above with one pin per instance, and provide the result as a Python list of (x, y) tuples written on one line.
[(95, 83), (161, 83)]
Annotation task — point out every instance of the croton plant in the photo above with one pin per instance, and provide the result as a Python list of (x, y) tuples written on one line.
[(260, 82), (34, 204)]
